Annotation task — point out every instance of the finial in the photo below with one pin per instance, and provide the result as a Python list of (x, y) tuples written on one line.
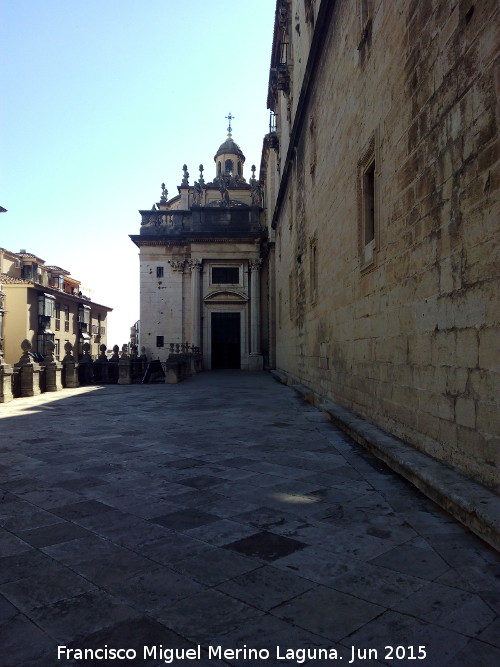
[(164, 194), (185, 180), (253, 172), (230, 117), (201, 180)]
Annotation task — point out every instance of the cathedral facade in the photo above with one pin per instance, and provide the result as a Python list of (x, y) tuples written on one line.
[(200, 266)]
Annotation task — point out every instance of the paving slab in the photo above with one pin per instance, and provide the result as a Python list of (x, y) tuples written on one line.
[(224, 512)]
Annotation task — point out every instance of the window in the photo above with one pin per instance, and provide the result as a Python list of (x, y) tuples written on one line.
[(369, 203), (159, 341), (56, 282), (29, 271), (159, 271), (66, 318), (368, 206), (309, 9), (225, 275), (280, 305), (46, 305), (292, 305), (57, 315), (84, 316), (314, 270), (365, 11), (42, 339), (229, 167)]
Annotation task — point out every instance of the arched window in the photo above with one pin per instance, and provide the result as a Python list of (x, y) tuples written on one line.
[(229, 166), (239, 168), (219, 167)]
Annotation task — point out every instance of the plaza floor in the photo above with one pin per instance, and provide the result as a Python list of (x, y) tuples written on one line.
[(226, 519)]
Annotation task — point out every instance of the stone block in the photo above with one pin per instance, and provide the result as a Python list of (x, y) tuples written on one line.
[(53, 376), (30, 379), (487, 418), (489, 349), (255, 362), (465, 412), (124, 371), (467, 348), (444, 348), (70, 374), (420, 349)]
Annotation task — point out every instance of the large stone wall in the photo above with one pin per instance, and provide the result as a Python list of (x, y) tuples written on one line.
[(410, 340)]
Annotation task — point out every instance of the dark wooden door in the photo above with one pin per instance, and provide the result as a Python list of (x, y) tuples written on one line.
[(226, 337)]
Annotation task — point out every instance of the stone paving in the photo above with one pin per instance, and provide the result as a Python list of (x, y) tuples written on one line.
[(224, 512)]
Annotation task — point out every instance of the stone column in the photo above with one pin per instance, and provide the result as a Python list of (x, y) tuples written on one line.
[(53, 369), (256, 361), (29, 370), (196, 267)]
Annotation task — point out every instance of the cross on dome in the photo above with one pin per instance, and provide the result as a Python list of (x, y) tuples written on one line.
[(230, 117)]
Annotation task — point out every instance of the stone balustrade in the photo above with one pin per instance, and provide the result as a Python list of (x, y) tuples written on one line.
[(29, 377)]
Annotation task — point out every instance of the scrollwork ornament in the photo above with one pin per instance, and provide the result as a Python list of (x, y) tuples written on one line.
[(177, 265), (195, 265)]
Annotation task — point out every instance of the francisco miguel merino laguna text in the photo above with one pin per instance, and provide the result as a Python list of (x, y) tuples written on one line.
[(298, 655), (169, 655)]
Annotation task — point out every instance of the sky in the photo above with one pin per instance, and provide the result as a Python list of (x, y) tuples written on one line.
[(104, 100)]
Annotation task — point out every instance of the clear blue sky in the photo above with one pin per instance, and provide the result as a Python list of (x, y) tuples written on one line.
[(104, 100)]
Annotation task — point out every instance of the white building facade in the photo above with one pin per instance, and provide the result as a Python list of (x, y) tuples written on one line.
[(200, 267)]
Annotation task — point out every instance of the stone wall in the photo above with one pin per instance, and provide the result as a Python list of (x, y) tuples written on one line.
[(402, 330)]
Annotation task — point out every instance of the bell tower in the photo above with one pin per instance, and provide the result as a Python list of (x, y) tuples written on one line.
[(229, 159)]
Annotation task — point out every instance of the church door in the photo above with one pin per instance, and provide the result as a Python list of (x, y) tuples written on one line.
[(226, 336)]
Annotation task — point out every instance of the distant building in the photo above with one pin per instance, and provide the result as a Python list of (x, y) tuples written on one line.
[(200, 266), (135, 333), (45, 303)]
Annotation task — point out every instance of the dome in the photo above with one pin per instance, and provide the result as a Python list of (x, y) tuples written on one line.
[(229, 147)]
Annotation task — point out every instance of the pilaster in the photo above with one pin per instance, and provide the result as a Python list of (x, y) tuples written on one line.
[(176, 305), (255, 360), (196, 266)]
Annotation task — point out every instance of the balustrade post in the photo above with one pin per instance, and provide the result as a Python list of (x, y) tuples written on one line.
[(86, 370), (29, 371), (53, 369), (102, 364), (124, 367), (70, 368), (113, 368), (6, 372)]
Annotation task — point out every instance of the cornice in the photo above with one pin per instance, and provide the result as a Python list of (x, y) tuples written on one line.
[(321, 32)]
